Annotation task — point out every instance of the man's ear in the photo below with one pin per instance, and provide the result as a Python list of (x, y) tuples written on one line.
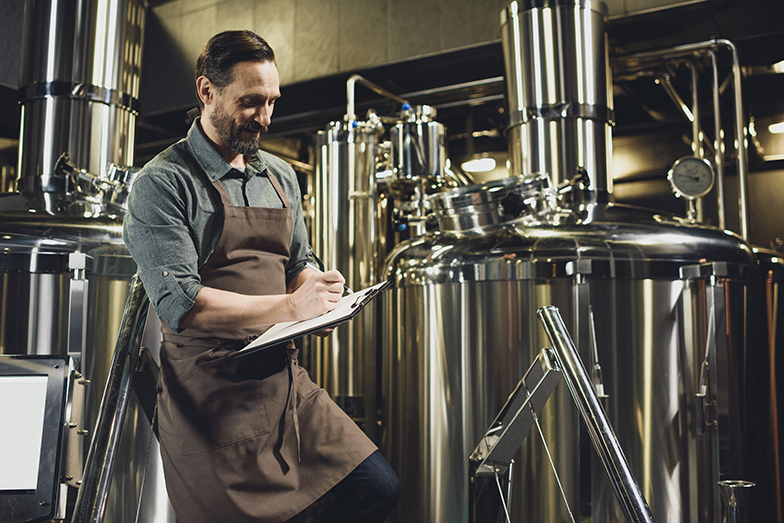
[(205, 89)]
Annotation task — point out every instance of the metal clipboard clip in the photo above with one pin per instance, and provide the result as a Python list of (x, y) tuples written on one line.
[(363, 299)]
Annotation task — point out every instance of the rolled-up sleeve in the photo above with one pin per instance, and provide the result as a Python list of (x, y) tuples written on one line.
[(161, 242)]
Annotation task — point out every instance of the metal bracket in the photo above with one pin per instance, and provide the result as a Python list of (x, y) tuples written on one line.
[(497, 447)]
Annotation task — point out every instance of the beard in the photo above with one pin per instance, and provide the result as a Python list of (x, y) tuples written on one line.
[(230, 132)]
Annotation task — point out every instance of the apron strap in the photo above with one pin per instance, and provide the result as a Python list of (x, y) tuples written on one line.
[(291, 406)]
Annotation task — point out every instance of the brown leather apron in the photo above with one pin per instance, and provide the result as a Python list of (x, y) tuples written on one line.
[(248, 439)]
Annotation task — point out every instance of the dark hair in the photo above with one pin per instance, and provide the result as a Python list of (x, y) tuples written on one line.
[(228, 48)]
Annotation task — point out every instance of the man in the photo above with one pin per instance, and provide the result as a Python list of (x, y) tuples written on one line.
[(215, 226)]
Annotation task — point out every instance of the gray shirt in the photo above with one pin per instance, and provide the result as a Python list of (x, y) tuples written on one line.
[(174, 217)]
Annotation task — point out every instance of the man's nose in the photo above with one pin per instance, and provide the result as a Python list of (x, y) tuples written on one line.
[(264, 115)]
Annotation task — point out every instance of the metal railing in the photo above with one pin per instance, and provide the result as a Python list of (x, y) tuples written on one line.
[(604, 441), (102, 456)]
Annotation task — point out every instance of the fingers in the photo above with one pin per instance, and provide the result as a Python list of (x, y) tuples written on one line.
[(325, 332), (334, 276), (318, 295), (331, 283)]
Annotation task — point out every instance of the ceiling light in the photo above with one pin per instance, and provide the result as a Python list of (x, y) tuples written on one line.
[(776, 128), (479, 165)]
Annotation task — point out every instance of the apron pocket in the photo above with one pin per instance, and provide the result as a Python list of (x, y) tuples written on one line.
[(214, 408)]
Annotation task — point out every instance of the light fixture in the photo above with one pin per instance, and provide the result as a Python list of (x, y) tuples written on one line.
[(479, 165), (776, 128), (778, 67)]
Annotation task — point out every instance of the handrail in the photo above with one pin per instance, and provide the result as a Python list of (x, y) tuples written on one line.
[(102, 456), (647, 58), (604, 441), (350, 89)]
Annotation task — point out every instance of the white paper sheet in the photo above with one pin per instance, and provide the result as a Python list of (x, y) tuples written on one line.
[(292, 329), (22, 408)]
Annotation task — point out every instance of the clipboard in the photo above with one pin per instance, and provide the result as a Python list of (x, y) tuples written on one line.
[(348, 307)]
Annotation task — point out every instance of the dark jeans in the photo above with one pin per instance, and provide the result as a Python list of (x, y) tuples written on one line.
[(367, 495)]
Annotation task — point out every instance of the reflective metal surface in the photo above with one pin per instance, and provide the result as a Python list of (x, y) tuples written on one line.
[(37, 278), (735, 495), (80, 83), (64, 271), (631, 500), (37, 281), (709, 49), (344, 214), (524, 200), (558, 90), (368, 192), (462, 328), (418, 146), (91, 505)]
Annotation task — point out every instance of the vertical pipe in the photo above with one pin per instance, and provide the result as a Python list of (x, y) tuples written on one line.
[(696, 129), (560, 104), (742, 146), (606, 444), (740, 129), (719, 141)]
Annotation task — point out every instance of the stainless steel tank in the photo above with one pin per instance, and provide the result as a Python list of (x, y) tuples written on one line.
[(368, 191), (676, 309), (65, 271), (560, 107), (344, 216), (461, 329), (418, 146), (79, 95)]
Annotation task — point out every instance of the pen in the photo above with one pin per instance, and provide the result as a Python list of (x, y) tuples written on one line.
[(313, 267)]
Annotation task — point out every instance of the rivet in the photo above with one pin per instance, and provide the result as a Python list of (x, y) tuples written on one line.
[(165, 273)]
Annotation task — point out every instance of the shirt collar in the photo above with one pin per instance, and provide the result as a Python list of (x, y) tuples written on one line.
[(212, 162)]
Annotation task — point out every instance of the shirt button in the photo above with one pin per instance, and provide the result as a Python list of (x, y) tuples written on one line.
[(165, 273)]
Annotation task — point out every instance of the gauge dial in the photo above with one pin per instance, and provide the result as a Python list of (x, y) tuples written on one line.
[(691, 177)]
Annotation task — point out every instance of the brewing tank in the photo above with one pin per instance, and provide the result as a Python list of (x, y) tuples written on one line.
[(369, 191), (65, 272), (344, 214), (81, 65), (557, 79), (461, 330)]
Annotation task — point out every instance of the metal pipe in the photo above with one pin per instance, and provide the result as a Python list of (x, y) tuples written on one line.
[(102, 456), (696, 129), (639, 60), (604, 441), (743, 152), (350, 91), (718, 141), (690, 116)]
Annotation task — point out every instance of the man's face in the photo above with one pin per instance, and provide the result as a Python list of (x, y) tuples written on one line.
[(242, 111)]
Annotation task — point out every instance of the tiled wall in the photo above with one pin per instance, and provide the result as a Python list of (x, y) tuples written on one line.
[(317, 38), (314, 38)]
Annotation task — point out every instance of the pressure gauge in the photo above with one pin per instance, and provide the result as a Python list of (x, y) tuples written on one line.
[(691, 177)]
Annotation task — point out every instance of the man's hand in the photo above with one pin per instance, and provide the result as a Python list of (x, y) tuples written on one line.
[(319, 294)]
